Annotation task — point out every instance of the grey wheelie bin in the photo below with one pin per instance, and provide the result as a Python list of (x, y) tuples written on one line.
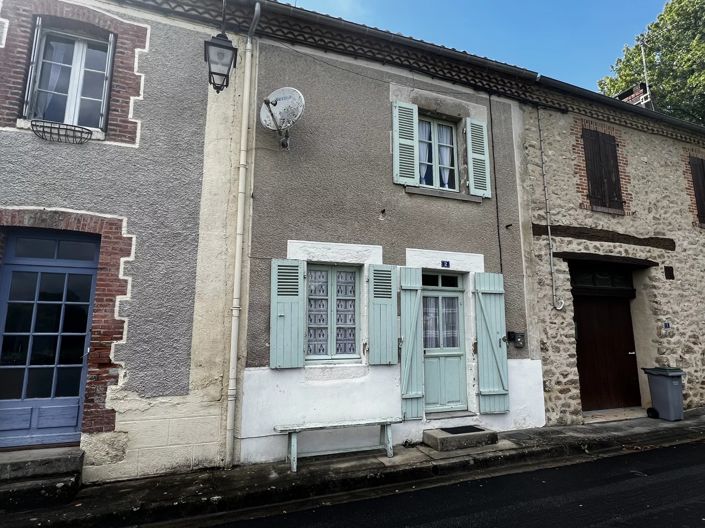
[(666, 386)]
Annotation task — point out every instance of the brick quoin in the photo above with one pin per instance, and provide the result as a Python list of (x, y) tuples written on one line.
[(688, 174), (15, 58), (576, 131), (106, 329)]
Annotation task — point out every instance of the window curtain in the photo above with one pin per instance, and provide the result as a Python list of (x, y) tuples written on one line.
[(445, 136), (450, 322), (424, 148), (56, 54), (431, 333)]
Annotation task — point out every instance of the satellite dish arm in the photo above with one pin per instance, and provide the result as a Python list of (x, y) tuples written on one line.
[(269, 105), (285, 135)]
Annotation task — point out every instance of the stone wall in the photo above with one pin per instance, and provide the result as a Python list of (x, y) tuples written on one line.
[(660, 207)]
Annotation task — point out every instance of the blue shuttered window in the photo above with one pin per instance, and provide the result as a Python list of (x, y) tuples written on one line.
[(478, 158), (382, 315), (405, 134), (412, 383), (491, 343), (288, 312)]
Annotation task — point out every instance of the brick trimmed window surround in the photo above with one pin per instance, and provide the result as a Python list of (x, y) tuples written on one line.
[(698, 212), (580, 165), (107, 330), (15, 59)]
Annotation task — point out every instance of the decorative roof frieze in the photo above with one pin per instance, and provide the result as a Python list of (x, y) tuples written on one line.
[(300, 27)]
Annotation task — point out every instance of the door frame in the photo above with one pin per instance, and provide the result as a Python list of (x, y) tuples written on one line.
[(620, 285), (8, 265), (460, 293)]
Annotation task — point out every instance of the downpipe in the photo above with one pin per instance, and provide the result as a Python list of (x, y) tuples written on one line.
[(558, 304), (239, 239)]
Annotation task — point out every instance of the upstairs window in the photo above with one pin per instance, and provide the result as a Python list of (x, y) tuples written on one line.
[(697, 170), (69, 78), (604, 185), (426, 151), (437, 154)]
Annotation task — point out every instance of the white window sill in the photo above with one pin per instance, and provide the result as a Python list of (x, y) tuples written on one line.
[(450, 194), (98, 134)]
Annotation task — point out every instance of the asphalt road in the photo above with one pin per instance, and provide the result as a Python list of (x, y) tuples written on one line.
[(663, 488)]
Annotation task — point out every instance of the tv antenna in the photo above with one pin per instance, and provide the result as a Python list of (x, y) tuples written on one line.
[(280, 110)]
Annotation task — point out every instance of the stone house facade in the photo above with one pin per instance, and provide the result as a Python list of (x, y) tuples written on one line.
[(654, 241)]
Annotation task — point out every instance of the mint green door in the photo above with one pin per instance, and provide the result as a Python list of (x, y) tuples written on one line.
[(444, 351)]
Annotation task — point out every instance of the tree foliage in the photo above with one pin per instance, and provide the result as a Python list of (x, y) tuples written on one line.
[(674, 46)]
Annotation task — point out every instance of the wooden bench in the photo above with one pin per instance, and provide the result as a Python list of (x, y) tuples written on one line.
[(385, 434)]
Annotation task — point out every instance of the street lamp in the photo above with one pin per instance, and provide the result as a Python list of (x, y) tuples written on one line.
[(220, 54)]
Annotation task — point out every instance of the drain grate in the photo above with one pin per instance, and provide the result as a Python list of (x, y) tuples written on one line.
[(463, 429)]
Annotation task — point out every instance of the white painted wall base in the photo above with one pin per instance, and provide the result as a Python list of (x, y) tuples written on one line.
[(341, 392)]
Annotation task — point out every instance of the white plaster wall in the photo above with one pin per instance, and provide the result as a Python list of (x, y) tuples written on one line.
[(525, 407), (357, 392), (315, 394)]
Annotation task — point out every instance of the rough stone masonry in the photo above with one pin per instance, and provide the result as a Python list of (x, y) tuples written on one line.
[(657, 184)]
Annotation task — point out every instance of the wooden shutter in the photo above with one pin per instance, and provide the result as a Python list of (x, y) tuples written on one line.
[(604, 185), (478, 158), (412, 389), (491, 343), (382, 315), (33, 70), (288, 312), (405, 132), (697, 170)]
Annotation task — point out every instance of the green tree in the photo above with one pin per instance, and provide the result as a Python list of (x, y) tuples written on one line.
[(674, 46)]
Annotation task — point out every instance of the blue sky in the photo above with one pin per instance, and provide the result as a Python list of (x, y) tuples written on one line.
[(575, 41)]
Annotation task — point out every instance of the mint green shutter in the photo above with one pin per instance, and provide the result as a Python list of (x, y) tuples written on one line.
[(491, 343), (412, 388), (382, 315), (288, 312), (405, 132), (478, 158)]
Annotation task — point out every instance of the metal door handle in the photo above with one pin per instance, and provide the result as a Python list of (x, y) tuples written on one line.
[(631, 353)]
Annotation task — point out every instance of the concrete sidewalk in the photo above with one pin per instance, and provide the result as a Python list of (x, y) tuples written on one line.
[(214, 491)]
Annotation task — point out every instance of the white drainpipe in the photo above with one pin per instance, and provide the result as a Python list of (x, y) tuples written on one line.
[(239, 238)]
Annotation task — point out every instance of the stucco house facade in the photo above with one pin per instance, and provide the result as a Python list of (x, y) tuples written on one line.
[(115, 313)]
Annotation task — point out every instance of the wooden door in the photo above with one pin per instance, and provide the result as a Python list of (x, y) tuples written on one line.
[(606, 353), (444, 352), (47, 286)]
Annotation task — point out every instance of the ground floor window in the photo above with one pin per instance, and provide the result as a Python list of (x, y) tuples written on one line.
[(332, 312)]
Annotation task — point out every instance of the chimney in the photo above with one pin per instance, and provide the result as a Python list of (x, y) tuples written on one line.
[(636, 95)]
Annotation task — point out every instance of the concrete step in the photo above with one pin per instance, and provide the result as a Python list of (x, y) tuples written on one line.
[(453, 438), (31, 463), (33, 478)]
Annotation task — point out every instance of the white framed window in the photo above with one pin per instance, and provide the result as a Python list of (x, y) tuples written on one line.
[(69, 78), (437, 154), (332, 312)]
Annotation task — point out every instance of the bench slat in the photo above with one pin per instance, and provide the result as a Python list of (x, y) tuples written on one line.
[(334, 425)]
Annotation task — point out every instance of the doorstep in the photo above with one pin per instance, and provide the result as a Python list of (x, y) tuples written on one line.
[(613, 415), (449, 414), (39, 477)]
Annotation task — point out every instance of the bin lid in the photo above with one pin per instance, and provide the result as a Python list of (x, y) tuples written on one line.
[(663, 371)]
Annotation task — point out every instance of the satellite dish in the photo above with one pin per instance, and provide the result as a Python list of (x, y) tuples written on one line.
[(281, 110)]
